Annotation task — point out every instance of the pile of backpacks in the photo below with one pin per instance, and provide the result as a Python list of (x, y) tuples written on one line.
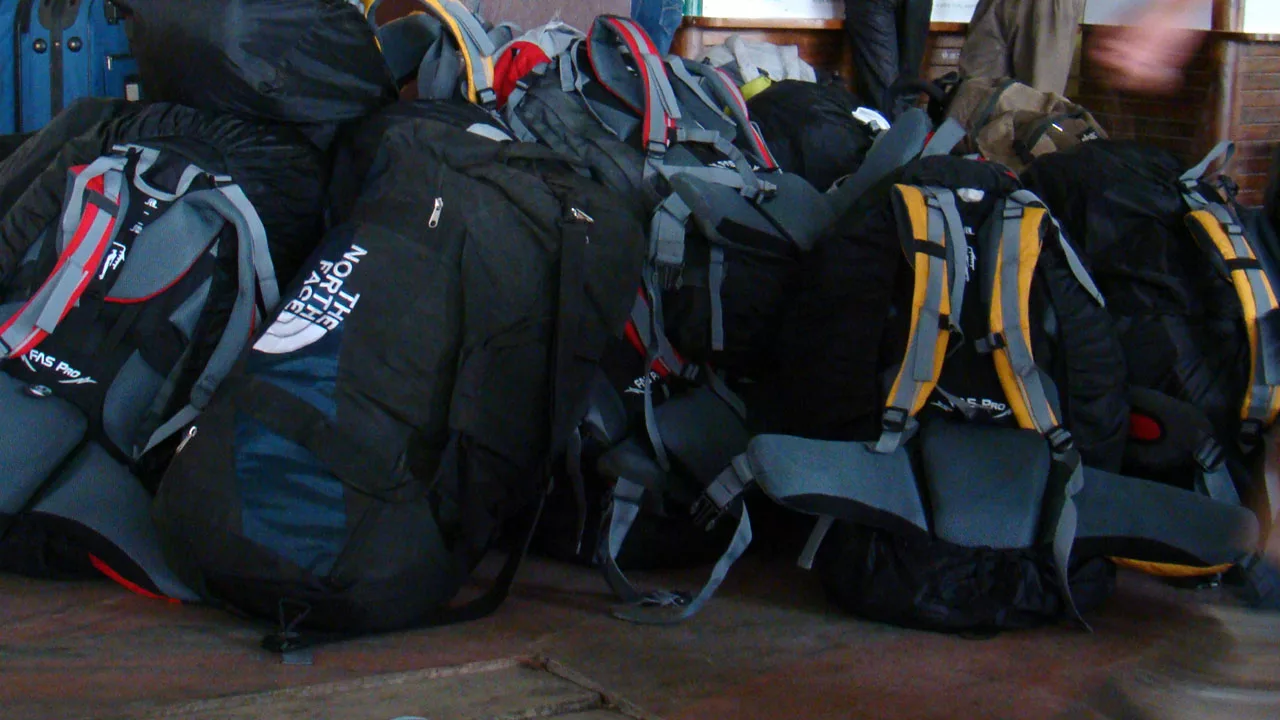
[(326, 307)]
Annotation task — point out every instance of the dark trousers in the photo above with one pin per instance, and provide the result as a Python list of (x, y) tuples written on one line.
[(888, 38)]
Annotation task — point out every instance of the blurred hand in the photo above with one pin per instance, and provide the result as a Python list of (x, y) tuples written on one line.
[(1146, 54)]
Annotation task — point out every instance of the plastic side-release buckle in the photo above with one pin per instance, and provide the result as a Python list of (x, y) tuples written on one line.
[(722, 493), (1209, 455), (1060, 440), (1251, 434), (895, 419)]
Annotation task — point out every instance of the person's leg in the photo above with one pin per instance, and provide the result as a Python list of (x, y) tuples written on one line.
[(985, 53), (1045, 43), (873, 33), (913, 37), (660, 18)]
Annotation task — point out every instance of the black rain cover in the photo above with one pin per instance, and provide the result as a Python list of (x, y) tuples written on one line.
[(1121, 204), (297, 61), (811, 130), (282, 174)]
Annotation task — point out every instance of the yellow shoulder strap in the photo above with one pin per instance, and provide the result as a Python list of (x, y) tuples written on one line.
[(1220, 235), (1017, 252), (930, 308), (476, 47)]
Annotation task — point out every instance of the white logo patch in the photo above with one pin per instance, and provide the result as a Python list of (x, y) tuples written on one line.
[(37, 361), (115, 258), (320, 307)]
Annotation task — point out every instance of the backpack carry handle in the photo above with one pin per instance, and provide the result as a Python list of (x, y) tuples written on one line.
[(469, 36)]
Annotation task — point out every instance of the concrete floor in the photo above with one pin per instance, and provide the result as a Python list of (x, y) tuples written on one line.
[(768, 647)]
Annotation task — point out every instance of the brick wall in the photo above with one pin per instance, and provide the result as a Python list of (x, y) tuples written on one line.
[(1255, 114)]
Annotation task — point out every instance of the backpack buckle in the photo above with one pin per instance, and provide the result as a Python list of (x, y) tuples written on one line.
[(722, 493), (895, 419), (1209, 455), (1060, 440), (1250, 434)]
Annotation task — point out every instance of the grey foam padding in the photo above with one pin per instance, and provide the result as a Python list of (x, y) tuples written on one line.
[(100, 494), (128, 400), (36, 435), (702, 432), (165, 250), (799, 209), (715, 205), (844, 480), (1145, 520), (986, 483), (405, 41)]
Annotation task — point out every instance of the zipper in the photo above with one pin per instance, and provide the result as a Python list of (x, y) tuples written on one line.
[(186, 438), (581, 217), (436, 210)]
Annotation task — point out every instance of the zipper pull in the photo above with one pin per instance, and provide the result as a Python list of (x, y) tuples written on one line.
[(581, 217), (191, 433), (435, 213)]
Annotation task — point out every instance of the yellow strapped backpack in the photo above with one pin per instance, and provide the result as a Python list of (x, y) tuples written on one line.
[(447, 46)]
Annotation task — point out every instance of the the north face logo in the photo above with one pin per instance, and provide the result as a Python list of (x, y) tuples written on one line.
[(319, 308)]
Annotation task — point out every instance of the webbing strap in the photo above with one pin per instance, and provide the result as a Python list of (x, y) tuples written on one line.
[(1225, 151), (652, 344), (640, 318), (663, 607), (715, 286), (1219, 233), (147, 158), (1029, 199), (1017, 253), (89, 224), (945, 138), (944, 216), (928, 336), (1062, 517), (666, 240)]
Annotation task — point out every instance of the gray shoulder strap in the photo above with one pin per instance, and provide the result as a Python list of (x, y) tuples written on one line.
[(79, 254), (945, 138), (256, 275), (1224, 151), (895, 147)]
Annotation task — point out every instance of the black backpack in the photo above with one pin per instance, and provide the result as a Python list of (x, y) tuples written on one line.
[(1190, 283), (122, 318), (813, 130), (396, 420), (985, 497), (674, 137)]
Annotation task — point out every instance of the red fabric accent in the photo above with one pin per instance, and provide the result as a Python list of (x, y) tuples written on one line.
[(130, 586), (82, 231), (515, 64), (1144, 429)]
